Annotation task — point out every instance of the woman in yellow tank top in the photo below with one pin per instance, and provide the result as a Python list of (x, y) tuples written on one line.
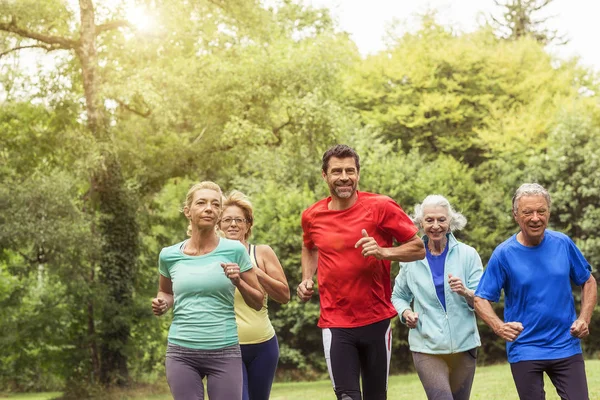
[(258, 342)]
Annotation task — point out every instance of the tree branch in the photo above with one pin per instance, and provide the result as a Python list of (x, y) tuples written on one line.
[(144, 114), (57, 41), (30, 260), (33, 46), (109, 26)]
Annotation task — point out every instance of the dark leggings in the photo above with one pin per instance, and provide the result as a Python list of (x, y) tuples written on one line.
[(567, 375), (364, 352), (187, 367), (260, 363), (446, 376)]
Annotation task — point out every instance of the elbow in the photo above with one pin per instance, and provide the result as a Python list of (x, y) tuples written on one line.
[(286, 297), (418, 254), (257, 304), (282, 297)]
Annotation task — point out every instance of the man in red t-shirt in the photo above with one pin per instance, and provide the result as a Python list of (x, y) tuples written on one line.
[(348, 240)]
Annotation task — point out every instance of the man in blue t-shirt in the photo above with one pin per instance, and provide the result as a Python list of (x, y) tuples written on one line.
[(535, 267)]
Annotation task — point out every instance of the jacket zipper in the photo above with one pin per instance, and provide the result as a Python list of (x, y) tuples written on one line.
[(438, 299)]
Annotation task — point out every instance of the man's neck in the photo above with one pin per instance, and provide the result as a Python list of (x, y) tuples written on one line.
[(338, 204), (527, 241)]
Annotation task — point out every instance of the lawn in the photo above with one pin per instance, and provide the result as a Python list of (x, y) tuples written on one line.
[(491, 383)]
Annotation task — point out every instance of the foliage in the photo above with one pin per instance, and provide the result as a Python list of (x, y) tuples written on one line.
[(466, 96), (251, 97)]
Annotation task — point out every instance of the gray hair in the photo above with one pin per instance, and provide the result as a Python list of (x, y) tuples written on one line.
[(457, 220), (530, 189)]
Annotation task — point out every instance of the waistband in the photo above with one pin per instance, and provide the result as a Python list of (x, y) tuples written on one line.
[(226, 352)]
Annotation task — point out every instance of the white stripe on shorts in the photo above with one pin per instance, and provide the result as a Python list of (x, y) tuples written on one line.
[(327, 350)]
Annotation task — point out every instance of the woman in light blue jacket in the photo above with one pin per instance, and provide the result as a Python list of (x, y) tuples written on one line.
[(443, 337)]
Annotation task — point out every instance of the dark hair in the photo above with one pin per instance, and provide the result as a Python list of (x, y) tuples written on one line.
[(340, 151)]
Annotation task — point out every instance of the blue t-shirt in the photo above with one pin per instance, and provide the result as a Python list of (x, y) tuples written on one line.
[(436, 265), (537, 292), (203, 314)]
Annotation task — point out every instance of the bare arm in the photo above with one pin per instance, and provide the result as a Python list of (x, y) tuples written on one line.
[(589, 298), (247, 284), (309, 268), (508, 331), (411, 250), (164, 299), (250, 289), (271, 276)]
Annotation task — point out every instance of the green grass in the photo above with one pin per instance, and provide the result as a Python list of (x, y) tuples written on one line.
[(32, 396), (491, 383)]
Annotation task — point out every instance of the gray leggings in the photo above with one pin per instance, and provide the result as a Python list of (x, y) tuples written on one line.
[(446, 376), (187, 367)]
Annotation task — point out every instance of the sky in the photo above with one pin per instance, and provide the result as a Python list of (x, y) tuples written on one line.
[(367, 20)]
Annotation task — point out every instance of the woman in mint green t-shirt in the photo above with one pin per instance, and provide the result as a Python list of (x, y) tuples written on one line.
[(198, 278)]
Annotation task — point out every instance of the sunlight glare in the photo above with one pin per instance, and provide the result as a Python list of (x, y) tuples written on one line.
[(140, 18)]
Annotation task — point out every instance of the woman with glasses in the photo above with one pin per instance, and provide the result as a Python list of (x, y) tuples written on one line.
[(197, 279), (260, 350)]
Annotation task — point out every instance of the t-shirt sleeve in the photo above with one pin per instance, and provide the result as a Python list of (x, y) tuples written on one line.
[(163, 264), (306, 236), (492, 281), (580, 269), (394, 221), (243, 259)]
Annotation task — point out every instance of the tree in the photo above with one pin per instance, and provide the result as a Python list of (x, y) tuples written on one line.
[(107, 193), (519, 20), (465, 95)]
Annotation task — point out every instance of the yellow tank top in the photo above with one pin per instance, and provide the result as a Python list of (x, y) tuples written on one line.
[(253, 326)]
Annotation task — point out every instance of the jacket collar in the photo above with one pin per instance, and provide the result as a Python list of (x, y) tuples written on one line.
[(452, 243)]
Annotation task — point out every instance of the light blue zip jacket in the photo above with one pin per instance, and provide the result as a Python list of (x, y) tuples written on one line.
[(439, 331)]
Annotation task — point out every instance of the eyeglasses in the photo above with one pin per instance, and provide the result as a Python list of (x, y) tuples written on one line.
[(229, 221)]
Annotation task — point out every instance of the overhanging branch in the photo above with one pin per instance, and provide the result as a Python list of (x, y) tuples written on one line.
[(33, 46), (57, 42)]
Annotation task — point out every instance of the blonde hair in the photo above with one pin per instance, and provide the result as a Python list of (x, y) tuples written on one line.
[(189, 198), (240, 200)]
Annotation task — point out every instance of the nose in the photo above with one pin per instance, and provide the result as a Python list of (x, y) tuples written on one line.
[(233, 222), (535, 216)]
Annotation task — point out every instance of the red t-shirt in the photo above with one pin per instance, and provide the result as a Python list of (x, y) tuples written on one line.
[(354, 290)]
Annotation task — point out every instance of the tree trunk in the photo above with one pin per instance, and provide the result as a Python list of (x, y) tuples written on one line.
[(107, 340), (117, 226)]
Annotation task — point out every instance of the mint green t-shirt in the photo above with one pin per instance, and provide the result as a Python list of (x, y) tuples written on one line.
[(203, 315)]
